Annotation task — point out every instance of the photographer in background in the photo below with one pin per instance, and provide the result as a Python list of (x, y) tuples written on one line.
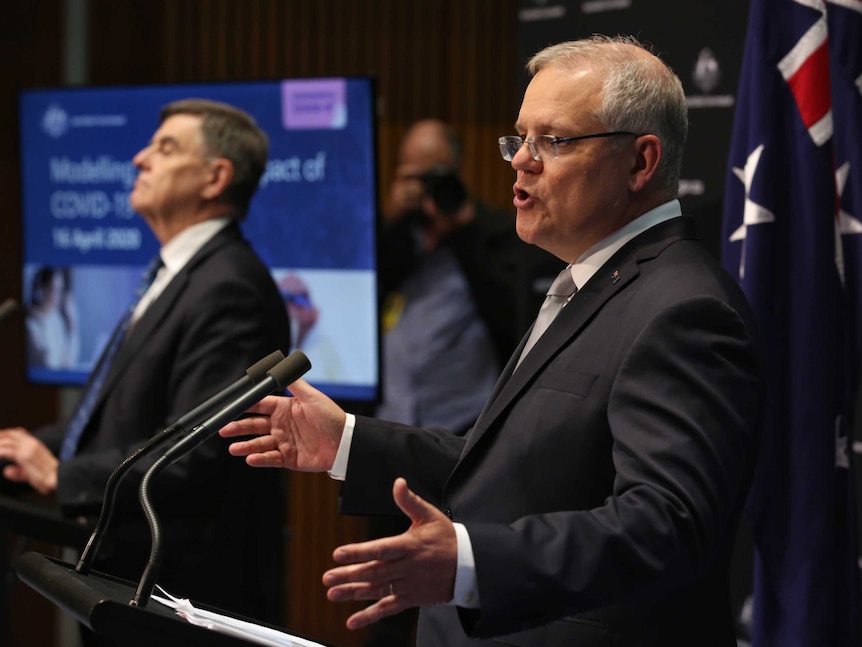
[(447, 269), (447, 276)]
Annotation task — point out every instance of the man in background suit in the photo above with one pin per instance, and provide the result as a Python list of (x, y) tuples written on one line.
[(596, 499), (212, 311)]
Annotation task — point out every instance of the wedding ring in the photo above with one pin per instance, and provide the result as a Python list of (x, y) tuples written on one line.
[(391, 589)]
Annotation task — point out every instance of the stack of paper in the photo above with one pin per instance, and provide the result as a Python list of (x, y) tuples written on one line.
[(231, 626)]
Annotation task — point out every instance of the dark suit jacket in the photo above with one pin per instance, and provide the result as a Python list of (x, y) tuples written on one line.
[(602, 484), (222, 522)]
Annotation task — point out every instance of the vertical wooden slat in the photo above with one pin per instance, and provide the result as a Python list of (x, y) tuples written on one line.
[(31, 36)]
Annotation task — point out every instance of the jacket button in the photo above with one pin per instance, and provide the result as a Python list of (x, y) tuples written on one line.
[(448, 512)]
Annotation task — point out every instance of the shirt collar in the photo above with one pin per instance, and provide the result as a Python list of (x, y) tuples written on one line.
[(179, 250), (597, 255)]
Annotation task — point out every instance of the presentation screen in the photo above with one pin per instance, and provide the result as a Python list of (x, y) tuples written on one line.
[(312, 221)]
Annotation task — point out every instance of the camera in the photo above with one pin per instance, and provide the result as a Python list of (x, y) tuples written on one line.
[(445, 188)]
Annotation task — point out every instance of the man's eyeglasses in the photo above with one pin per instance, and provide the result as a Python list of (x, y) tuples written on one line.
[(545, 146)]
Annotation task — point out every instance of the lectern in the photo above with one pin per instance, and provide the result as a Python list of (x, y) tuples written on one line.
[(121, 612), (101, 602)]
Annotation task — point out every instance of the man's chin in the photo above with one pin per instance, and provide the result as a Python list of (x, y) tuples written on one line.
[(138, 206), (525, 232)]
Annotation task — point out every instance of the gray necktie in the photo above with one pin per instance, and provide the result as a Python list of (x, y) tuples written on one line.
[(558, 295)]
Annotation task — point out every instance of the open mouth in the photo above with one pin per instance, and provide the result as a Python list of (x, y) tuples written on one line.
[(521, 197)]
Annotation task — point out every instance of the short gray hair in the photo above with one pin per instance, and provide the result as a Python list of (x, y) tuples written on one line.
[(233, 134), (640, 93)]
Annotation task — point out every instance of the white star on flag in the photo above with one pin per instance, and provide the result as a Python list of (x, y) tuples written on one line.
[(845, 223), (753, 213)]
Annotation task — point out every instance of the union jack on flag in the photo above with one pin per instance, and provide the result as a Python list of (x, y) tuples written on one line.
[(792, 233)]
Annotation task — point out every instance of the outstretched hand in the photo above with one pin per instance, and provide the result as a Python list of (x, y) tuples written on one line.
[(300, 433), (414, 568)]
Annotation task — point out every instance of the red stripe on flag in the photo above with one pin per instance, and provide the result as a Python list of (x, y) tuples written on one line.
[(810, 86)]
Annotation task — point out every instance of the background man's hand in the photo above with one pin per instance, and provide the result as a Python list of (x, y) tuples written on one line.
[(32, 461)]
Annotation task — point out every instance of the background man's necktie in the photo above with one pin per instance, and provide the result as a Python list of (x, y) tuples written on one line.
[(558, 295), (97, 378)]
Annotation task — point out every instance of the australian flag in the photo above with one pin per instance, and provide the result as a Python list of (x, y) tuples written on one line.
[(793, 235)]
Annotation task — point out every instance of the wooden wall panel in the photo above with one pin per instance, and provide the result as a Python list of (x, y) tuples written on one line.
[(316, 529), (30, 37), (431, 58), (30, 48)]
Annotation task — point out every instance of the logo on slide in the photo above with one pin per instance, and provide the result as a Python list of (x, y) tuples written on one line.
[(314, 105), (56, 121)]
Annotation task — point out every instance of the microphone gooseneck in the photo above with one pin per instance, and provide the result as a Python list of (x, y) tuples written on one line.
[(287, 371), (255, 374)]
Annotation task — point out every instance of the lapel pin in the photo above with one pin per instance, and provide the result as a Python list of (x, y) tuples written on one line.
[(615, 277)]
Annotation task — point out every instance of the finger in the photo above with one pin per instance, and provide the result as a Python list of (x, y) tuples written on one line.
[(259, 452), (414, 506), (302, 390), (253, 445), (373, 573), (383, 608), (251, 426), (269, 405), (260, 414), (357, 591), (265, 459), (14, 473), (386, 549)]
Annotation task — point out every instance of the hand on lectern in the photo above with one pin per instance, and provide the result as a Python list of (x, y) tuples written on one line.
[(30, 460)]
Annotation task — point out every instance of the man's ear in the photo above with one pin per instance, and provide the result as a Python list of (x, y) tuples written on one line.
[(648, 154), (220, 177)]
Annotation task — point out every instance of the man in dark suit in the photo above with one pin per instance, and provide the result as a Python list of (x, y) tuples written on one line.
[(212, 311), (596, 500)]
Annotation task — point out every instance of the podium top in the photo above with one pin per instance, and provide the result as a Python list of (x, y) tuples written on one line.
[(101, 602)]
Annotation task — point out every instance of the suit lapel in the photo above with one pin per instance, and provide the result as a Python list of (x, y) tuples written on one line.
[(150, 322), (618, 272)]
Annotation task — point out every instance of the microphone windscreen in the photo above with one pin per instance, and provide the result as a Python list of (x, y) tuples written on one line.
[(257, 371), (290, 369)]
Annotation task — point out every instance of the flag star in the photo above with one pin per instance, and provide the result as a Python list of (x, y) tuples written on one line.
[(847, 224), (753, 213)]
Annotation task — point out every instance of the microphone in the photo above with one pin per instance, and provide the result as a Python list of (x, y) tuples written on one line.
[(254, 374), (287, 371), (9, 308)]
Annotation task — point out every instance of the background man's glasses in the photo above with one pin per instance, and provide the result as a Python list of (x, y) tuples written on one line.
[(545, 146)]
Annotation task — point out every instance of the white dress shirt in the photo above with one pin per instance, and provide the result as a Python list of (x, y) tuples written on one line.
[(178, 251)]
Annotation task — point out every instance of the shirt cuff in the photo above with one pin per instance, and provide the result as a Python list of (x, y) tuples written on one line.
[(338, 471), (466, 586)]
